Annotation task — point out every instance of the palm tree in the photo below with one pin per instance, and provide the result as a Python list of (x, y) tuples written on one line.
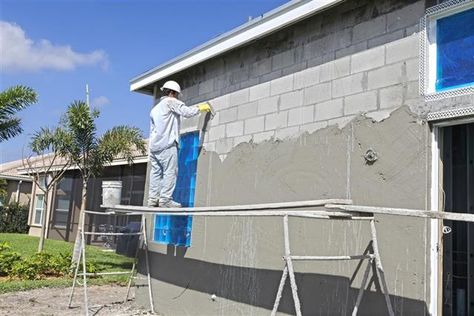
[(77, 144), (46, 165), (91, 153), (13, 100)]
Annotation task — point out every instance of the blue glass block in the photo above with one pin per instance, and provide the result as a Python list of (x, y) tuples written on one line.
[(455, 51), (176, 230)]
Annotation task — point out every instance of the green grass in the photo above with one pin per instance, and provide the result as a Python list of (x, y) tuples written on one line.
[(28, 245)]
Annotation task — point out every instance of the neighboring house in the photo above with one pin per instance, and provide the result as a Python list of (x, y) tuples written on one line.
[(64, 201), (307, 96), (18, 186)]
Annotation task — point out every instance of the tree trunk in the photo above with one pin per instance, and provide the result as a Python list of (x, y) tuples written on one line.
[(43, 222), (77, 244)]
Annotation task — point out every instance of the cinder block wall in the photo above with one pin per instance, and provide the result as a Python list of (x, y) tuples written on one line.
[(296, 112)]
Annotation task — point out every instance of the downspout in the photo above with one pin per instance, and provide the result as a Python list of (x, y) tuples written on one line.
[(17, 198)]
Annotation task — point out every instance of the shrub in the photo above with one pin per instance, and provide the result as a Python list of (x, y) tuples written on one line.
[(7, 260), (14, 218)]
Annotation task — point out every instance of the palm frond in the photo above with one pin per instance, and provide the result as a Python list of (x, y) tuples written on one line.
[(13, 100)]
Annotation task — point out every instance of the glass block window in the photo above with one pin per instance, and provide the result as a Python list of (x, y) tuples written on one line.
[(176, 230), (447, 50)]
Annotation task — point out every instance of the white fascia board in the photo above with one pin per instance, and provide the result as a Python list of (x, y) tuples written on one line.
[(274, 20)]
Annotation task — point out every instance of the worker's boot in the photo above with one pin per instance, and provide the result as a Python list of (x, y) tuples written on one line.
[(169, 203)]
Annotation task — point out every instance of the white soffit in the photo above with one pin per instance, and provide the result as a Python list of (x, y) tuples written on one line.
[(269, 22)]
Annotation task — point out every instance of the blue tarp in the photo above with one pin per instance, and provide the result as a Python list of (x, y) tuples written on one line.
[(455, 51), (176, 230)]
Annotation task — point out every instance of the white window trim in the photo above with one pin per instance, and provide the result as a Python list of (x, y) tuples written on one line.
[(428, 49), (36, 208), (435, 256)]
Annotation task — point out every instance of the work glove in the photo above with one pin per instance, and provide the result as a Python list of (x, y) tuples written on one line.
[(204, 107)]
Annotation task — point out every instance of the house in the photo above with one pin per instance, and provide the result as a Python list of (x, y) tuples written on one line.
[(64, 201), (367, 100), (18, 187)]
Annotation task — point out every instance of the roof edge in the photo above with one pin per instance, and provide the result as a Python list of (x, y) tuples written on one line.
[(269, 22)]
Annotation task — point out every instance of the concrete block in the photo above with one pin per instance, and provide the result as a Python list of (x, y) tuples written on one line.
[(412, 30), (369, 29), (341, 122), (259, 91), (271, 76), (413, 69), (313, 127), (261, 67), (216, 132), (335, 69), (239, 97), (348, 85), (369, 59), (247, 110), (228, 115), (234, 129), (255, 125), (362, 102), (283, 60), (289, 132), (242, 139), (329, 110), (380, 115), (221, 102), (385, 38), (268, 105), (190, 123), (328, 43), (281, 85), (391, 97), (296, 67), (276, 120), (302, 115), (352, 49), (317, 93), (210, 146), (385, 76), (403, 49), (307, 77), (291, 99), (413, 90), (405, 17), (261, 137), (224, 146), (206, 86)]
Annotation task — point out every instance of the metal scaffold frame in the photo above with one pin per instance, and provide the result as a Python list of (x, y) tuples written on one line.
[(143, 244), (303, 209)]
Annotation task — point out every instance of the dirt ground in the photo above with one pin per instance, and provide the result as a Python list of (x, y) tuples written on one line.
[(54, 301)]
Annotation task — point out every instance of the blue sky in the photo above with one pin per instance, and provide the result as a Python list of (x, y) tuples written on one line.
[(56, 47)]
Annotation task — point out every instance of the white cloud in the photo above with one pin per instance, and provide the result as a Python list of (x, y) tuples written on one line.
[(99, 102), (19, 53)]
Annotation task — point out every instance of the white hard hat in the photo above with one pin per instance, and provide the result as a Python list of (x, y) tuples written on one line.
[(172, 85)]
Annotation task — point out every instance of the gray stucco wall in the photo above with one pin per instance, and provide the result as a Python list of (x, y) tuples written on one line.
[(309, 102)]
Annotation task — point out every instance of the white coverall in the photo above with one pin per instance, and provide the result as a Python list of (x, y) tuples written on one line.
[(163, 143)]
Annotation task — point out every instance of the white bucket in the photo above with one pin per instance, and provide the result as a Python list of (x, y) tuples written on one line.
[(111, 193)]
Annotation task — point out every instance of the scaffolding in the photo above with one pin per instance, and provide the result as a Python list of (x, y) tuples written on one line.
[(107, 233), (304, 209)]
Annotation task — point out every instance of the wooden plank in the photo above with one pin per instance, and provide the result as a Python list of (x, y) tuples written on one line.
[(249, 207), (463, 217)]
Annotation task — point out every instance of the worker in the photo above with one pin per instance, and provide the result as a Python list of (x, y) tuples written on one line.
[(165, 119)]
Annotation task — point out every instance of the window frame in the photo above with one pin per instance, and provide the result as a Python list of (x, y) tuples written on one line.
[(36, 209), (428, 50)]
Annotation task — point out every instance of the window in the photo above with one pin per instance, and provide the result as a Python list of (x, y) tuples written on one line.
[(176, 230), (39, 202), (39, 209), (447, 50), (63, 201)]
